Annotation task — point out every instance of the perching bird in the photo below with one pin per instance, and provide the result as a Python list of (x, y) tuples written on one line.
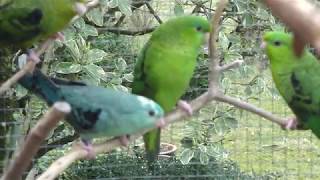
[(25, 22), (165, 67), (297, 79), (97, 111)]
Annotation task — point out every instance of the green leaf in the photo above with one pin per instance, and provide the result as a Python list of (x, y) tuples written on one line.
[(95, 71), (229, 25), (80, 24), (90, 80), (89, 31), (178, 9), (95, 55), (121, 64), (67, 68), (186, 155), (128, 77), (96, 16), (204, 158), (74, 50), (124, 6), (21, 91)]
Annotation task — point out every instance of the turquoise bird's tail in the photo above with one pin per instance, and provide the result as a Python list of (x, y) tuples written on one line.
[(41, 85)]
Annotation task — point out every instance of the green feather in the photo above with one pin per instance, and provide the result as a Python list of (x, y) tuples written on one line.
[(24, 22), (96, 111), (165, 66), (296, 78)]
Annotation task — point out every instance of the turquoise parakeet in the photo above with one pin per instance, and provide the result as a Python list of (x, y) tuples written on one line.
[(297, 79), (97, 111), (165, 67), (24, 22)]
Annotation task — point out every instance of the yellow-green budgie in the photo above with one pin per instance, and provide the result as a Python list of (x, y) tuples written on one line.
[(297, 79), (165, 67)]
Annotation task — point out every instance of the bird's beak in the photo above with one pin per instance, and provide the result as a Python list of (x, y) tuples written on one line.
[(160, 123)]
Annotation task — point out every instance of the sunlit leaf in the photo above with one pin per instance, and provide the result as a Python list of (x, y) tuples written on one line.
[(186, 155), (67, 68)]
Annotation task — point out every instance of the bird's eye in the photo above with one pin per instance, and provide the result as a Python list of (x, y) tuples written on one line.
[(277, 43), (151, 113), (198, 28)]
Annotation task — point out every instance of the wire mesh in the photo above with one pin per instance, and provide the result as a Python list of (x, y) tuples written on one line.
[(219, 142)]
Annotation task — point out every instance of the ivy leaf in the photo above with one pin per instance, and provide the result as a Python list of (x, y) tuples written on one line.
[(128, 77), (95, 71), (204, 158), (95, 16), (74, 49), (89, 31), (178, 9), (67, 68), (124, 6), (95, 55), (186, 155), (121, 64)]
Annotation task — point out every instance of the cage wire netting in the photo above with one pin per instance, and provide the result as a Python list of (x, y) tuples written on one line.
[(219, 142)]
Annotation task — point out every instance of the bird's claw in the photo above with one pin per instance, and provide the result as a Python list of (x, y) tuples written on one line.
[(124, 140), (291, 124), (88, 147), (33, 56), (185, 107)]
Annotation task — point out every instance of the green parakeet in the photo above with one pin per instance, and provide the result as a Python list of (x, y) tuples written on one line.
[(24, 22), (297, 79), (97, 111), (165, 67)]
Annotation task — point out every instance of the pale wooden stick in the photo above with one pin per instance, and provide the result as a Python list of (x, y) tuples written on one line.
[(24, 155)]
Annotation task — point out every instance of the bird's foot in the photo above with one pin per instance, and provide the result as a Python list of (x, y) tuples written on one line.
[(160, 123), (185, 106), (291, 124), (33, 56), (87, 145), (124, 140), (80, 8)]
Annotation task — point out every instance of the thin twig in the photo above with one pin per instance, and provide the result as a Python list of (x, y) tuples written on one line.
[(25, 69), (24, 155)]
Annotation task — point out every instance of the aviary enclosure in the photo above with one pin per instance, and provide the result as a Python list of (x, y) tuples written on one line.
[(229, 135)]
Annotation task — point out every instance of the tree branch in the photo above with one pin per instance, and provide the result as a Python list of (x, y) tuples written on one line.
[(126, 32), (33, 141), (25, 69)]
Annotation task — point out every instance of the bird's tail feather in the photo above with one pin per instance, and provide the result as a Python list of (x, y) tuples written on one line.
[(41, 85), (152, 144)]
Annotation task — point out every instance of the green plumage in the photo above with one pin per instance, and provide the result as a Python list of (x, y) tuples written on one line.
[(96, 111), (296, 78), (165, 66), (23, 22)]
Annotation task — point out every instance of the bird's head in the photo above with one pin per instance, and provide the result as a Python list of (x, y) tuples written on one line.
[(277, 44), (153, 113), (190, 30)]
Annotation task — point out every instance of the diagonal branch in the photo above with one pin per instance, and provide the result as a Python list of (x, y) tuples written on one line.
[(24, 155)]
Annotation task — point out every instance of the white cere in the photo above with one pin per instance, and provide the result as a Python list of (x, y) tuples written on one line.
[(146, 102)]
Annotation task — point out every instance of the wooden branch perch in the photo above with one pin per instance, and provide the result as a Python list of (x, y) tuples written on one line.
[(24, 155), (213, 93), (302, 17)]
